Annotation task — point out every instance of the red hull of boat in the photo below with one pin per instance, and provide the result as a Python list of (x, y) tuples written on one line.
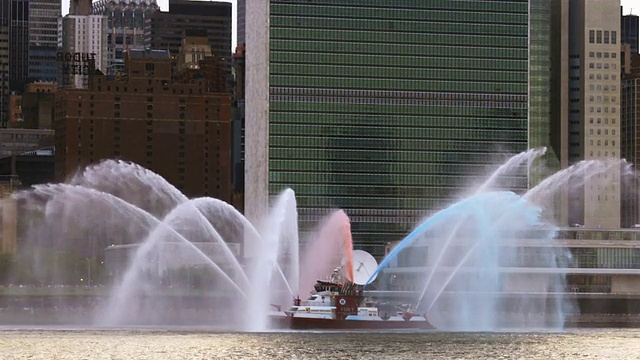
[(302, 323)]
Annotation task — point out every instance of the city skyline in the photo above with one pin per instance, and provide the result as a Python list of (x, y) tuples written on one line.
[(164, 6)]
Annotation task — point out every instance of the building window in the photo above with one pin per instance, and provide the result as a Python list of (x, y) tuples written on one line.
[(150, 69), (592, 36), (606, 37), (614, 37), (599, 37)]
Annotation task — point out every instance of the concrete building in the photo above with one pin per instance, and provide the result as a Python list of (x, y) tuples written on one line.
[(178, 130), (18, 141), (374, 111), (601, 274), (43, 39), (82, 45), (594, 104), (125, 27)]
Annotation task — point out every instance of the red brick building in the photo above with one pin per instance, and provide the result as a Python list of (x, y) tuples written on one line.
[(181, 131)]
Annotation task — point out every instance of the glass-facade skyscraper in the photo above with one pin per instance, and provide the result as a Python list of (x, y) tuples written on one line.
[(392, 112)]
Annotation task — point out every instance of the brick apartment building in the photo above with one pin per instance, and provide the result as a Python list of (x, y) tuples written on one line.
[(178, 129)]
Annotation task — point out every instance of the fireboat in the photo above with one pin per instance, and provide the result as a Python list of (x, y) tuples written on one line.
[(339, 304)]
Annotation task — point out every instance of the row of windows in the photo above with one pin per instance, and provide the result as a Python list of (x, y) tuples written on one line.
[(397, 49), (420, 26), (377, 167), (365, 202), (600, 55), (378, 36), (416, 14), (599, 155), (602, 66), (401, 110), (398, 121), (616, 258), (291, 178), (601, 98), (395, 94), (397, 102), (400, 134), (600, 87), (319, 212), (400, 84), (599, 109), (392, 72), (602, 142), (396, 155), (602, 132), (603, 37), (372, 190), (397, 61), (495, 6), (295, 142)]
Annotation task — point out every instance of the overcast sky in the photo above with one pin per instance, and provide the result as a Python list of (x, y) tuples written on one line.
[(164, 5)]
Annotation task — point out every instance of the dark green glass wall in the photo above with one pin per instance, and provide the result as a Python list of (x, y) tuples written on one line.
[(393, 112)]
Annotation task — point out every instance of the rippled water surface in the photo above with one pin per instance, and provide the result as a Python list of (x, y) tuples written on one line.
[(181, 344)]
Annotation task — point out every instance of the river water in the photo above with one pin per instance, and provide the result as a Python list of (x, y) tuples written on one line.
[(50, 343)]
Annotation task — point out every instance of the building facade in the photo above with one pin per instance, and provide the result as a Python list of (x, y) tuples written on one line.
[(43, 39), (178, 130), (594, 104), (18, 44), (14, 52), (125, 27), (630, 134), (4, 64), (629, 30), (387, 113), (38, 105), (82, 47), (165, 30), (18, 141)]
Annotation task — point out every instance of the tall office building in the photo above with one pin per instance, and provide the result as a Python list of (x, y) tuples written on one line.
[(629, 137), (389, 113), (4, 63), (594, 104), (629, 31), (84, 39), (43, 39), (125, 27), (241, 21), (541, 131), (18, 44), (14, 51), (165, 30)]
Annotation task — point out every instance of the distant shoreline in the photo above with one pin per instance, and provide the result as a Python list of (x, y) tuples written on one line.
[(84, 318)]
